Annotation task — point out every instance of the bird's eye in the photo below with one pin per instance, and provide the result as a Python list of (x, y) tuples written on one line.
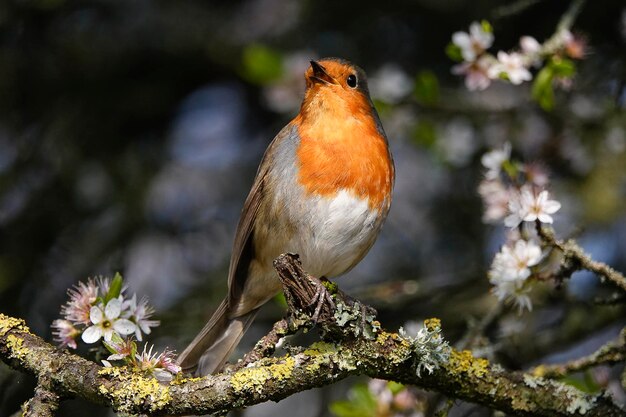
[(351, 80)]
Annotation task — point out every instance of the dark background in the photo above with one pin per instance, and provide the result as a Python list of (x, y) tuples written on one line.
[(130, 132)]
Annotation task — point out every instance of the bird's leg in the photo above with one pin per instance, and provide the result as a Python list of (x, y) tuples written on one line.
[(322, 295)]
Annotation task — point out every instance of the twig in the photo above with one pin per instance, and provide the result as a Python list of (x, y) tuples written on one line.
[(568, 18), (513, 8), (44, 403), (610, 353), (611, 300), (266, 347), (575, 259)]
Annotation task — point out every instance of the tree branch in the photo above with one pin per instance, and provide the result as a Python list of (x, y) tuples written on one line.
[(44, 403), (347, 350), (575, 259), (611, 353)]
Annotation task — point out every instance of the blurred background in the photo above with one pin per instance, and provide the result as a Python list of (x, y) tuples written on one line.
[(130, 132)]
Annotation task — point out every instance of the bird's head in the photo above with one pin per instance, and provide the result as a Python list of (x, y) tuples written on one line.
[(335, 85)]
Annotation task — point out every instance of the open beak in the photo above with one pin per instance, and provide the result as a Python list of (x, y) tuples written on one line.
[(320, 75)]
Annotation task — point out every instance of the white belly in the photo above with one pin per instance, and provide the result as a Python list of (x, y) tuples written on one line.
[(334, 233)]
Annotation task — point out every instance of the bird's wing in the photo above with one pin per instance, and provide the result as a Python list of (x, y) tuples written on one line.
[(243, 249)]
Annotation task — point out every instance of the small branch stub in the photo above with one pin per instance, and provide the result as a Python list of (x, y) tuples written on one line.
[(322, 302)]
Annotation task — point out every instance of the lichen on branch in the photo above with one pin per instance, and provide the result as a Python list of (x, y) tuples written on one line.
[(342, 352)]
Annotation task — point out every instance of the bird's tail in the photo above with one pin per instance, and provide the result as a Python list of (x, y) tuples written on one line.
[(211, 348)]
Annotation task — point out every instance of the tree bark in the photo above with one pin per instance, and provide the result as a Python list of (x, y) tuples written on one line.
[(345, 351)]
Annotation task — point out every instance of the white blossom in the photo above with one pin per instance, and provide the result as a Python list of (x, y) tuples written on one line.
[(65, 333), (513, 263), (530, 45), (514, 291), (494, 159), (139, 313), (162, 365), (474, 43), (513, 66), (495, 199), (106, 322), (511, 269), (476, 73), (528, 207)]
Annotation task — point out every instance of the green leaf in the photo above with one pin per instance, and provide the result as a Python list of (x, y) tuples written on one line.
[(361, 403), (563, 67), (454, 52), (395, 387), (261, 64), (427, 88), (486, 26), (542, 90), (586, 384), (133, 351), (115, 338), (115, 288), (280, 299), (511, 169)]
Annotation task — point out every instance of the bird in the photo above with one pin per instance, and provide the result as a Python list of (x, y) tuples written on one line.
[(322, 190)]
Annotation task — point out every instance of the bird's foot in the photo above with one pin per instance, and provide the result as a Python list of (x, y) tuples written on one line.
[(323, 294)]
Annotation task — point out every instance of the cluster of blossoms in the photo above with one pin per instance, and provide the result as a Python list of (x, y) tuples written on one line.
[(100, 310), (480, 67), (515, 194), (161, 365)]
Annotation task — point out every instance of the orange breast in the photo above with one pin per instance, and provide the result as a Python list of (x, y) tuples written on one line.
[(343, 149)]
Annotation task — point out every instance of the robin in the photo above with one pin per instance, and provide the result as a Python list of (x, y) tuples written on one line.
[(323, 191)]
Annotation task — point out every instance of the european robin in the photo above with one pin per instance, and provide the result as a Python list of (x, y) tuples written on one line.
[(323, 191)]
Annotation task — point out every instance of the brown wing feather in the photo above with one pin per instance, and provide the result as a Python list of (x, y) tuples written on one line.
[(219, 337), (243, 250)]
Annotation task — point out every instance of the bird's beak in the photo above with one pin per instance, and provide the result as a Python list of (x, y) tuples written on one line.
[(320, 75)]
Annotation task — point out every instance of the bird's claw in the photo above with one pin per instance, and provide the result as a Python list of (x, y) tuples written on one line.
[(321, 296)]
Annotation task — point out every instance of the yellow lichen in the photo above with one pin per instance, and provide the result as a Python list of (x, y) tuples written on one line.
[(320, 348), (15, 345), (132, 389), (399, 348), (539, 371), (394, 339), (465, 362), (432, 324), (283, 370), (9, 323), (254, 379), (179, 380)]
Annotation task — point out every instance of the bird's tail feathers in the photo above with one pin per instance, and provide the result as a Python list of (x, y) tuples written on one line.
[(211, 348)]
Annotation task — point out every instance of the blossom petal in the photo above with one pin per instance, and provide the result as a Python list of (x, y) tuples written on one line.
[(529, 45), (461, 39), (107, 334), (113, 309), (95, 314), (124, 326), (512, 220), (551, 206), (545, 218), (92, 334), (116, 357)]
